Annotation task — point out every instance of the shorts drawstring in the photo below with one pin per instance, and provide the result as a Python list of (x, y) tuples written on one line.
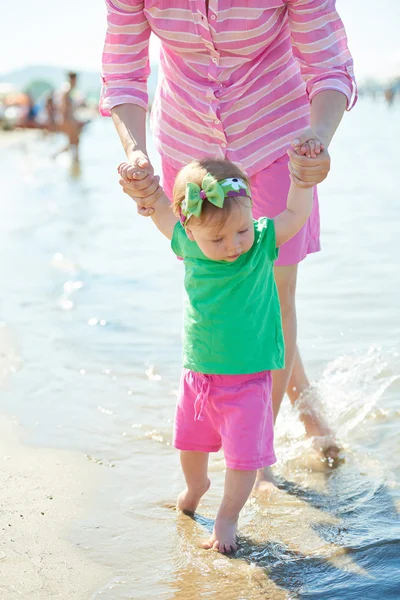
[(201, 399)]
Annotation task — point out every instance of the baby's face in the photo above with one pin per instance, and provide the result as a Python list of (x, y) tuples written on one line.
[(227, 243)]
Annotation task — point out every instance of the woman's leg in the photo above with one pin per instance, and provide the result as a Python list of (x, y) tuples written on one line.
[(238, 486), (293, 379), (305, 397), (286, 278), (270, 189), (194, 467), (298, 382)]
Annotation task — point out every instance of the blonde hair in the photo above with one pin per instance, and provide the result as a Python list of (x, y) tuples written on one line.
[(194, 172)]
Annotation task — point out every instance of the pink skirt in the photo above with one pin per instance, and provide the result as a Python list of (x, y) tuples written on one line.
[(269, 192)]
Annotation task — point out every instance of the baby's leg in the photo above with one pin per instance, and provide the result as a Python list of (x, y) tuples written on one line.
[(238, 485), (194, 467)]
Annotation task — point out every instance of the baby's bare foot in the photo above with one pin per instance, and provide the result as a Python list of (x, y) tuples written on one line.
[(223, 537), (189, 499)]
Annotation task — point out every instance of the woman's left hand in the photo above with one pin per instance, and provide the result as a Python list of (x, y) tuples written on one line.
[(307, 172)]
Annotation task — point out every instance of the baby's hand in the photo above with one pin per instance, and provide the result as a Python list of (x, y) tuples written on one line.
[(130, 172), (308, 144), (311, 148), (140, 184)]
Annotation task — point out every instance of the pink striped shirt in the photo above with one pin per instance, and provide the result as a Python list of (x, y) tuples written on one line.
[(234, 82)]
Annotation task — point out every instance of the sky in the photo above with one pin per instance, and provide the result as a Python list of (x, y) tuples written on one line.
[(70, 34)]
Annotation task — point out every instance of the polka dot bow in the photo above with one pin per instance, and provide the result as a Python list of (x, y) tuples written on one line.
[(212, 190)]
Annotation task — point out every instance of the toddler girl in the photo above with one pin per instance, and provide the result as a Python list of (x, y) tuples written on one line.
[(232, 328)]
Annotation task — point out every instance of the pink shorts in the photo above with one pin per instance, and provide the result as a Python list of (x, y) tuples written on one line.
[(229, 411), (269, 191)]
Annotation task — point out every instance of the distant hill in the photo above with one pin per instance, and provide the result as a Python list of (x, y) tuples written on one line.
[(89, 82)]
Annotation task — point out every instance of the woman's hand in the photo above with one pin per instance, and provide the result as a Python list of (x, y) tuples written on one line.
[(139, 182), (306, 171)]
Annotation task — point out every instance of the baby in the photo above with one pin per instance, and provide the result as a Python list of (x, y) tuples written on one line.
[(232, 328)]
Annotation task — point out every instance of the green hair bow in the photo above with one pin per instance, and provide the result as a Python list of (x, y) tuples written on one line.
[(212, 190)]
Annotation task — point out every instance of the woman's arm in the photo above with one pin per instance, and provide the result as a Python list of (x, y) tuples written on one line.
[(130, 123), (124, 92), (125, 61), (320, 46), (298, 209), (326, 112), (125, 72)]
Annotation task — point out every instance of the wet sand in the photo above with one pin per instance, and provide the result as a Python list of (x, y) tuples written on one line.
[(44, 492)]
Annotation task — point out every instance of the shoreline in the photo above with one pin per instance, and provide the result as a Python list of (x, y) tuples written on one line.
[(16, 137), (44, 493)]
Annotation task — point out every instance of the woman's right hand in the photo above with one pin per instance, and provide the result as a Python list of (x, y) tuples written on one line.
[(139, 182)]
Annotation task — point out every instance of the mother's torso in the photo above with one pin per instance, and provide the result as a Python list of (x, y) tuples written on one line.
[(228, 79), (228, 37)]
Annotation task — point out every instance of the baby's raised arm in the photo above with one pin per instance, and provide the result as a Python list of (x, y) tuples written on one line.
[(163, 217), (298, 209), (160, 210)]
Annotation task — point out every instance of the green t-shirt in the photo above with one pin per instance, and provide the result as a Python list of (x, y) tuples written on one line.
[(232, 317)]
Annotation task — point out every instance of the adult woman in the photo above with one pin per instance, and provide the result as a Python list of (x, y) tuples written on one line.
[(240, 80)]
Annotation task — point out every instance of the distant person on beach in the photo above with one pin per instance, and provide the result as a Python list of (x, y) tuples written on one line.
[(68, 123), (232, 327), (389, 94), (51, 112), (29, 121), (242, 81)]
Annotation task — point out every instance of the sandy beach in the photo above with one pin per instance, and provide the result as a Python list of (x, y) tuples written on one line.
[(44, 491)]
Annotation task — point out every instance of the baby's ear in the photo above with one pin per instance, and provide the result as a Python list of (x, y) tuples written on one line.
[(189, 234)]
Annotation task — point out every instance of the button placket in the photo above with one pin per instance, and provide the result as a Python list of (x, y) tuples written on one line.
[(215, 84), (204, 26)]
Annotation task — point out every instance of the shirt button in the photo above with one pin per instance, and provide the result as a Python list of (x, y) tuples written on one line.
[(213, 17), (223, 145), (215, 60), (217, 122)]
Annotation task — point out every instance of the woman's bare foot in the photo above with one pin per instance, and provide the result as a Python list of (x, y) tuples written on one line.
[(328, 447), (265, 482), (305, 398), (311, 415), (223, 538), (189, 499)]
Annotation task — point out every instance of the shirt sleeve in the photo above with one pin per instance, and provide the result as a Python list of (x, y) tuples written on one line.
[(125, 61), (179, 238), (320, 46), (266, 228), (273, 251)]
